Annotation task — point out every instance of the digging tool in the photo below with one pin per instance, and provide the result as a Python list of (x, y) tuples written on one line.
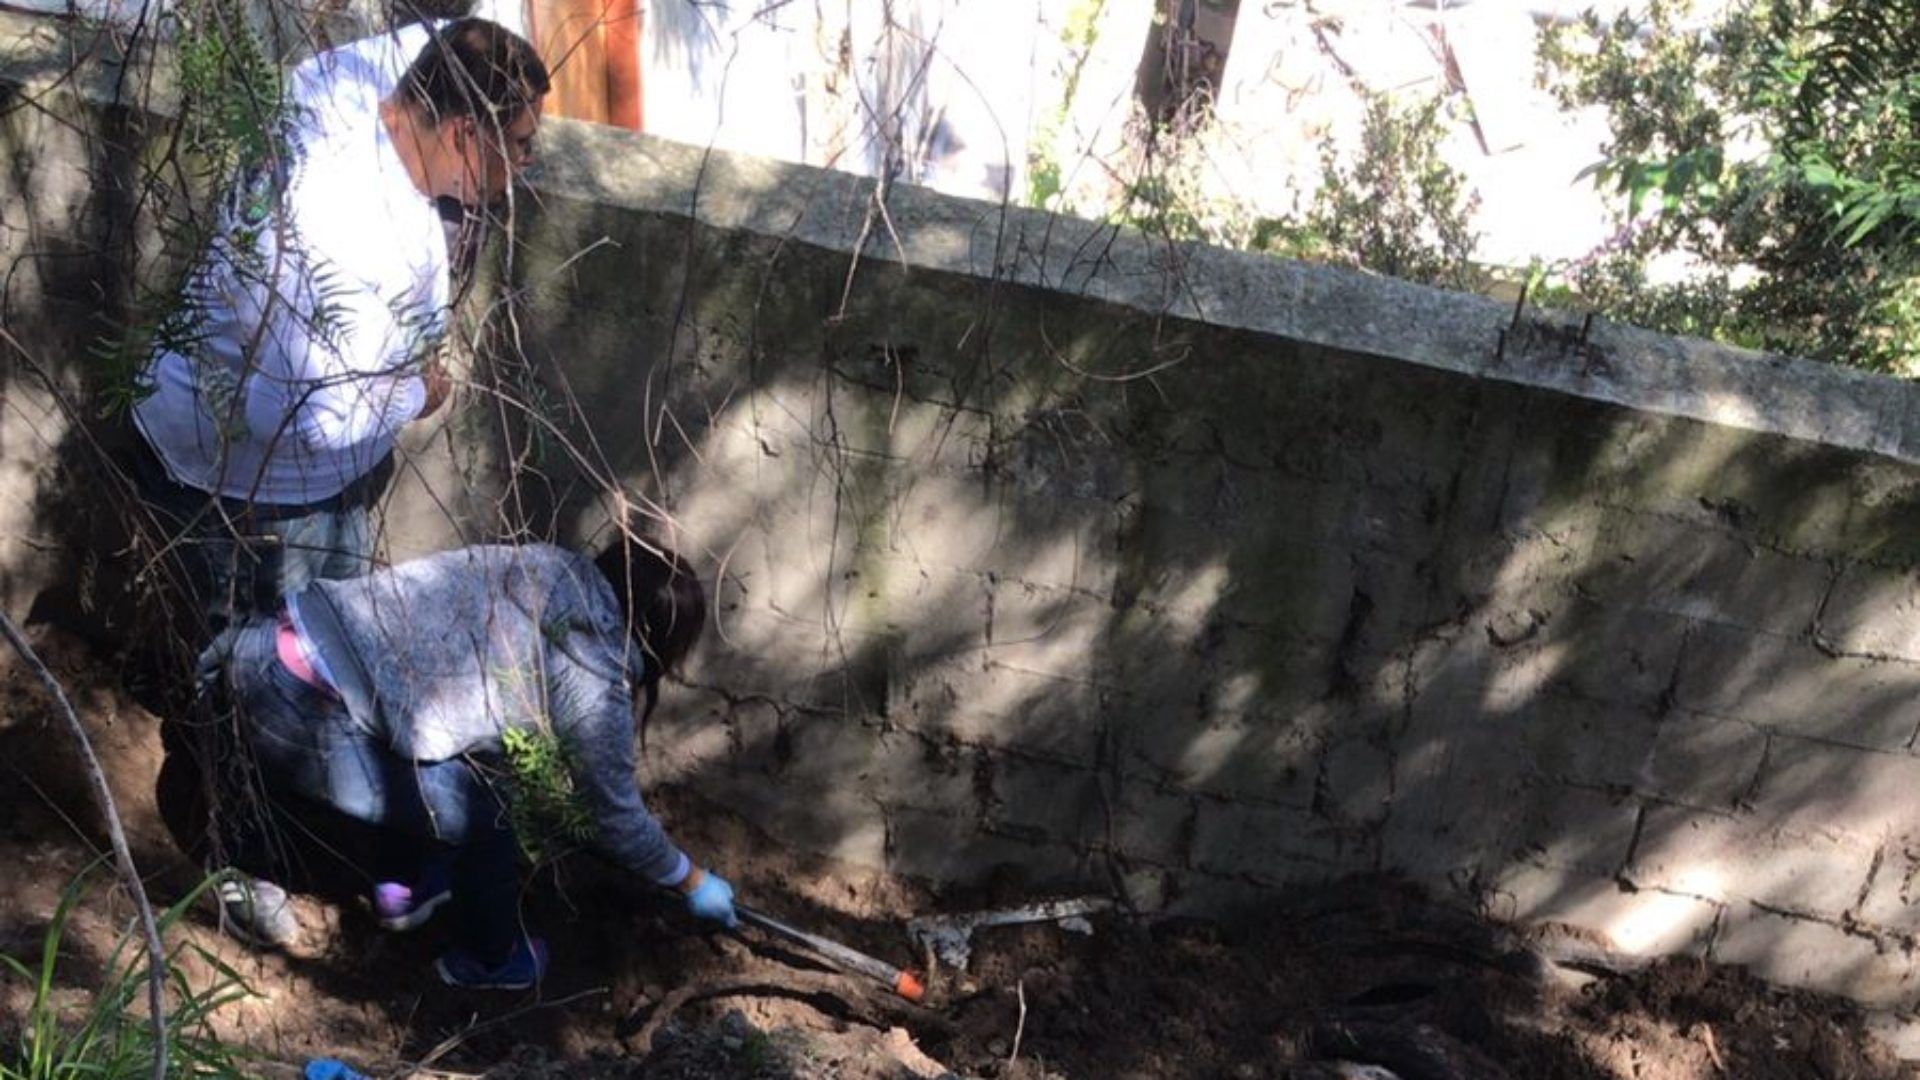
[(951, 936), (899, 980)]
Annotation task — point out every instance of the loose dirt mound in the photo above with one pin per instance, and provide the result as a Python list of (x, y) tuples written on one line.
[(1368, 972), (1312, 985)]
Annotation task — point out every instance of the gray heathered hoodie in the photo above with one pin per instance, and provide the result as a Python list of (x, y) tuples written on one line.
[(439, 655)]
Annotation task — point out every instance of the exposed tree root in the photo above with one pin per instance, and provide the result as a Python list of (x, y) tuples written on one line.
[(854, 1002)]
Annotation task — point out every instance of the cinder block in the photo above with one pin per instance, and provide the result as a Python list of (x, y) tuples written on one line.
[(1577, 828), (1703, 760), (969, 700), (1268, 844), (1264, 759), (943, 848), (1387, 516), (1729, 858), (1403, 600), (1702, 570), (1451, 681), (1538, 556), (1060, 543), (1299, 589), (1874, 611), (1211, 895), (915, 375), (753, 732), (1415, 430), (1790, 686), (1169, 603), (1458, 802), (1862, 795), (1577, 741), (795, 659), (1356, 786), (1635, 922), (1059, 802), (1250, 675), (760, 507), (822, 749), (1045, 631), (886, 421), (1447, 824), (1154, 826), (933, 613), (818, 752), (907, 769), (687, 736), (956, 521), (1892, 903), (1177, 506), (1711, 470), (1055, 454), (1816, 956), (811, 818), (859, 840), (1613, 654)]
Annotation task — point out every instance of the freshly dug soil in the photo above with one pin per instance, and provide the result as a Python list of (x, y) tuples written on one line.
[(1360, 978)]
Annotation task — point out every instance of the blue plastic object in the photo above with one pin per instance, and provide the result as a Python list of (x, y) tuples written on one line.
[(330, 1069)]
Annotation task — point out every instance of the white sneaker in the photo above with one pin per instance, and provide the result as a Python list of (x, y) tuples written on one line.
[(255, 911)]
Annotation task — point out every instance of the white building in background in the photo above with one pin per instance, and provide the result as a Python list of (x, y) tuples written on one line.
[(947, 93), (1016, 99), (968, 95)]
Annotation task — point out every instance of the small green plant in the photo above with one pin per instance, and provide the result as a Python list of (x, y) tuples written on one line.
[(1390, 204), (549, 817), (110, 1038), (1077, 37), (1395, 207), (757, 1051)]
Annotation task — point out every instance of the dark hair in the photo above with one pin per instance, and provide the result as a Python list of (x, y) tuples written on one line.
[(665, 607), (476, 68)]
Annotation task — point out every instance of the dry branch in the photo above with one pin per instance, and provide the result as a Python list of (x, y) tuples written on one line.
[(117, 835)]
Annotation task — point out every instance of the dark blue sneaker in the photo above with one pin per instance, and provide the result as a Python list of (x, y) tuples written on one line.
[(527, 965), (401, 907)]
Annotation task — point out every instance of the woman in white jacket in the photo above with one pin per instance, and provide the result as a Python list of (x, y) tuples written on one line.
[(317, 311)]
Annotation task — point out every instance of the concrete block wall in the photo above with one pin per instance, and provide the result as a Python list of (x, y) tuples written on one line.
[(1027, 554), (63, 189), (1044, 547)]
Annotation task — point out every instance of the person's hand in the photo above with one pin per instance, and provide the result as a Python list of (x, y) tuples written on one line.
[(710, 897)]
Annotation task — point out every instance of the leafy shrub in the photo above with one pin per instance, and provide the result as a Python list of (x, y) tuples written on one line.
[(1772, 153)]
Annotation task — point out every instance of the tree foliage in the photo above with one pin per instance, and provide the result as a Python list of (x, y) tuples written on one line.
[(1773, 156), (1854, 131), (1387, 203)]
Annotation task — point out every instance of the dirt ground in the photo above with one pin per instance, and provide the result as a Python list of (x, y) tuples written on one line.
[(1363, 979)]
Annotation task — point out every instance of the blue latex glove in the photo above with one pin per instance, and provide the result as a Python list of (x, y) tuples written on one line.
[(712, 899)]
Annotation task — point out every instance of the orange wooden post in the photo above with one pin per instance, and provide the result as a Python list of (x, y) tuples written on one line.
[(625, 104), (592, 48)]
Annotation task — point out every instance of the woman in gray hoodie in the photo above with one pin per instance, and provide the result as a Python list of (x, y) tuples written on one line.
[(392, 698)]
